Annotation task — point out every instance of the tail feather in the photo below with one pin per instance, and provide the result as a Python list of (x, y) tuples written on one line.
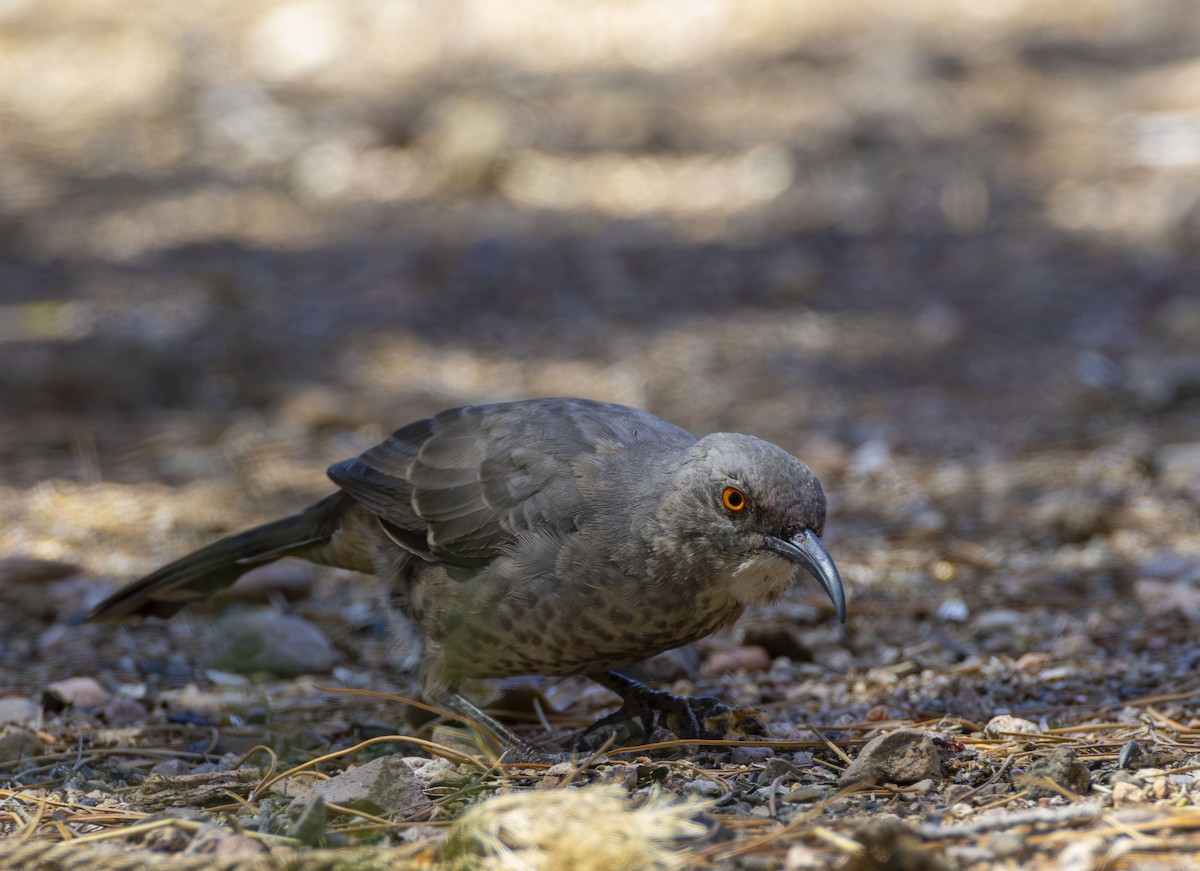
[(218, 565)]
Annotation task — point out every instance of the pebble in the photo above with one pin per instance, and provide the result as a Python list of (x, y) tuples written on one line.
[(266, 640), (1007, 723), (171, 768), (80, 692), (122, 711), (288, 579), (19, 745), (704, 787), (20, 710), (901, 757), (1062, 767), (1125, 792), (385, 785), (750, 755)]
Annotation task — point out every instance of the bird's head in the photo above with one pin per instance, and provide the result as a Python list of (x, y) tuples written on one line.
[(757, 510)]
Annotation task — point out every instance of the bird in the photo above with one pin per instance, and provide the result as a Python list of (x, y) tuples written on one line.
[(555, 536)]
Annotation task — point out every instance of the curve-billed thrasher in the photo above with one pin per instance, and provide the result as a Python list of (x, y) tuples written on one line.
[(549, 536)]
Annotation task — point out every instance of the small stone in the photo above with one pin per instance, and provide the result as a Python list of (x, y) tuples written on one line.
[(1064, 769), (998, 620), (171, 768), (18, 745), (1130, 753), (923, 787), (878, 713), (435, 771), (1125, 792), (19, 710), (310, 824), (123, 711), (80, 692), (703, 786), (266, 640), (777, 768), (288, 579), (383, 785), (1007, 724), (750, 755), (903, 756)]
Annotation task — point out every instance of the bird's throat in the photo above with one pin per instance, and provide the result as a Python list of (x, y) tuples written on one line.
[(761, 578)]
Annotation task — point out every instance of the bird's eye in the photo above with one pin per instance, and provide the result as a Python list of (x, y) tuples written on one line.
[(733, 499)]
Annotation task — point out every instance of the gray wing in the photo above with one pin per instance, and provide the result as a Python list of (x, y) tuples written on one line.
[(461, 486)]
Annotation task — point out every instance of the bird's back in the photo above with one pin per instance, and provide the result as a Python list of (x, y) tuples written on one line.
[(460, 487)]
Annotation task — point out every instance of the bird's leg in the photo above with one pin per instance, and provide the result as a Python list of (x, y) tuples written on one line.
[(641, 701), (513, 746)]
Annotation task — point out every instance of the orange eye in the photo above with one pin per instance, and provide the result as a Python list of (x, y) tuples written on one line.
[(733, 499)]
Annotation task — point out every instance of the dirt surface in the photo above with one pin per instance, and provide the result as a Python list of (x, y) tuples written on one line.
[(946, 252)]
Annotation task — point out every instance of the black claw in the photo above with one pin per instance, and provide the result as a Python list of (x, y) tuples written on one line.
[(683, 715)]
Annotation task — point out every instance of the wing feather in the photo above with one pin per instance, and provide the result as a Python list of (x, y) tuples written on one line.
[(470, 480)]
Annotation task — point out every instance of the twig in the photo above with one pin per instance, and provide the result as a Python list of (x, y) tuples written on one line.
[(999, 822)]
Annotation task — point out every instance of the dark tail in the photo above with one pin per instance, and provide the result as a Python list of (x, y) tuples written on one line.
[(216, 566)]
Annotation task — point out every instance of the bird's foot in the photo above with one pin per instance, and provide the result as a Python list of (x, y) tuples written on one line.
[(685, 716)]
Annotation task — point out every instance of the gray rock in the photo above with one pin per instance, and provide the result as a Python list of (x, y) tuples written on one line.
[(288, 579), (903, 756), (750, 755), (381, 786), (124, 711), (309, 826), (266, 640), (171, 768), (20, 710), (81, 692), (1064, 769), (19, 745)]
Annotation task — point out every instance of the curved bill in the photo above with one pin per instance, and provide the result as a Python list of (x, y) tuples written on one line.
[(805, 548)]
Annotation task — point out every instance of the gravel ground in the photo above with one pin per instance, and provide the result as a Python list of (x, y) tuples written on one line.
[(945, 252)]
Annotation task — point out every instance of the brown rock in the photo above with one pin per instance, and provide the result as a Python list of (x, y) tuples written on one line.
[(18, 745), (903, 756), (1062, 768)]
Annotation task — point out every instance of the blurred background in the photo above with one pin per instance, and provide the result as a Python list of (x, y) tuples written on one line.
[(945, 250)]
